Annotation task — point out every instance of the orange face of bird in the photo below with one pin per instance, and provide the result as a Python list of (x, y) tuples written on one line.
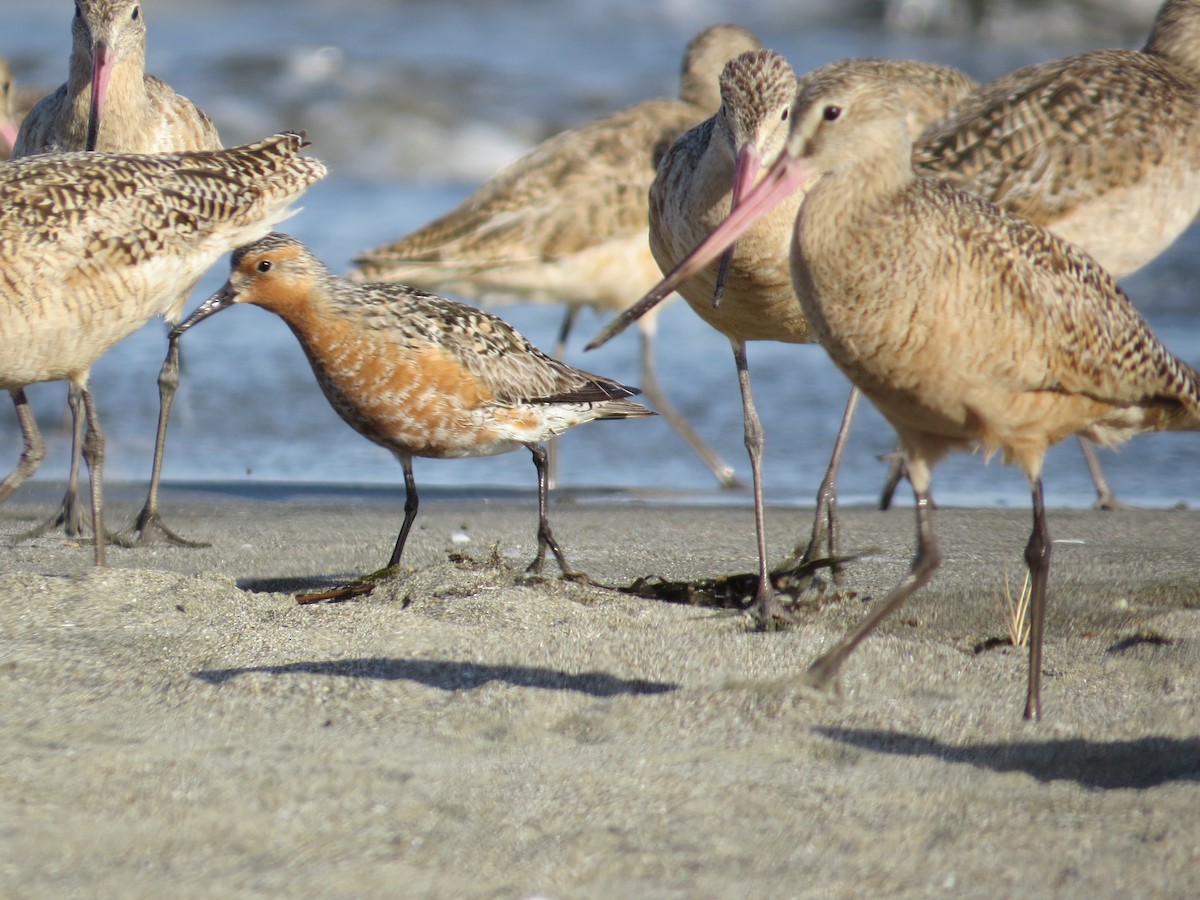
[(273, 273)]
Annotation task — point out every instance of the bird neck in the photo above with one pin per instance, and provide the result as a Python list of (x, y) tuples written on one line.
[(125, 100), (851, 193), (1176, 35), (307, 308), (839, 218)]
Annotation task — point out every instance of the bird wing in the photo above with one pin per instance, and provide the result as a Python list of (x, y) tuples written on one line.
[(564, 196), (511, 368), (1072, 328), (1052, 137)]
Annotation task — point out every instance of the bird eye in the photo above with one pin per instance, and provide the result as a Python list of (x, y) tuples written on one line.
[(832, 113), (785, 115), (264, 265), (137, 12)]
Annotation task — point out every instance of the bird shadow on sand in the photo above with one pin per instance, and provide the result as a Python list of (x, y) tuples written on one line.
[(452, 675), (1101, 765)]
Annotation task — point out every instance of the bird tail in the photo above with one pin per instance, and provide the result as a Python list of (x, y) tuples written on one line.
[(623, 409), (609, 399)]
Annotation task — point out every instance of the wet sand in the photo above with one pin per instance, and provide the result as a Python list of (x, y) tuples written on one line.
[(176, 725)]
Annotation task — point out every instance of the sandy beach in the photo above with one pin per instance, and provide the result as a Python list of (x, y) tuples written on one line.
[(176, 725)]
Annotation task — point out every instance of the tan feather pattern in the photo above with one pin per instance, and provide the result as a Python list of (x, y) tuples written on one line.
[(94, 245), (567, 222), (967, 326), (693, 192), (561, 205), (1101, 147), (141, 113)]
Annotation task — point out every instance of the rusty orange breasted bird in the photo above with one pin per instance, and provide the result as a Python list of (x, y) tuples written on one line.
[(419, 374)]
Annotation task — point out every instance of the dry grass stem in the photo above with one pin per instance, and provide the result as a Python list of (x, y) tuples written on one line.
[(1017, 610)]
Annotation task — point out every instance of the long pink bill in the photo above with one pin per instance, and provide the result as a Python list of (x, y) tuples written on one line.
[(786, 176), (749, 161), (102, 65)]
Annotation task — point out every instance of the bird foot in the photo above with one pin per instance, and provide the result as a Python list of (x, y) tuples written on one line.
[(800, 575), (822, 675), (1110, 503), (792, 685), (69, 518), (770, 617), (149, 529), (533, 575), (821, 684)]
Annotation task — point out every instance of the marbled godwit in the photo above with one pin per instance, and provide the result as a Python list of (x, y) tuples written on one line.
[(418, 374), (93, 245), (1102, 148), (110, 103), (708, 169), (971, 328), (566, 223)]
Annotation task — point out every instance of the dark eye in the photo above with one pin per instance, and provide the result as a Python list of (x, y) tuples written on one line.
[(785, 115), (832, 113), (264, 265), (137, 11)]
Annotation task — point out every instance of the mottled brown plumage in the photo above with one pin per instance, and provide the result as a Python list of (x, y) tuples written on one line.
[(1102, 148), (971, 327), (93, 246), (566, 223), (419, 374), (109, 96), (693, 188), (692, 193), (521, 236), (109, 103)]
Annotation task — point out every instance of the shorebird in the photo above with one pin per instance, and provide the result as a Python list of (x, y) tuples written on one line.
[(1102, 148), (418, 374), (110, 103), (566, 223), (971, 328), (749, 296), (94, 245)]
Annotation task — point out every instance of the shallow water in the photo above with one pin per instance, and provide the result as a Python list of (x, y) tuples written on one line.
[(412, 105)]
